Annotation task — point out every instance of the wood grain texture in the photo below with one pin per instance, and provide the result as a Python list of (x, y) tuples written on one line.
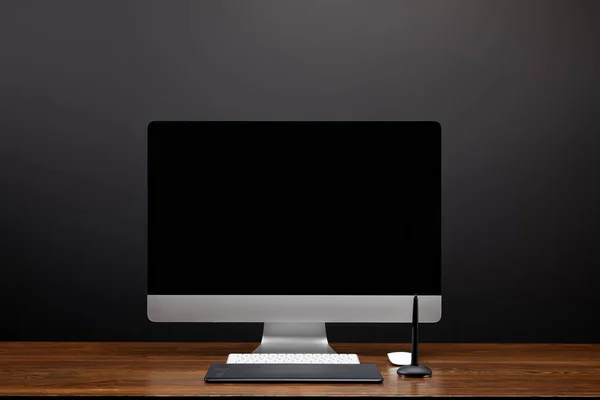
[(177, 369)]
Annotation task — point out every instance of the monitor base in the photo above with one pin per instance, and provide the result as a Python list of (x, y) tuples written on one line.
[(294, 338)]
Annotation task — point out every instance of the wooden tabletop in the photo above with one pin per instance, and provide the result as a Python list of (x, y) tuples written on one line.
[(177, 369)]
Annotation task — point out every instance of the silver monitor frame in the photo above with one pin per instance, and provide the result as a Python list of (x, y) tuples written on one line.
[(292, 323)]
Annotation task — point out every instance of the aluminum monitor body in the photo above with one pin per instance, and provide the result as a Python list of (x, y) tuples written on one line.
[(297, 223)]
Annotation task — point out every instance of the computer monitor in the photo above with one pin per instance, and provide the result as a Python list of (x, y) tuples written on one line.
[(294, 225)]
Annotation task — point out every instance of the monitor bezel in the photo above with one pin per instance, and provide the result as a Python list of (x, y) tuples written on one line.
[(291, 308)]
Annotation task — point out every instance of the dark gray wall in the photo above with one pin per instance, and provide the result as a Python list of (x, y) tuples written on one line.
[(515, 85)]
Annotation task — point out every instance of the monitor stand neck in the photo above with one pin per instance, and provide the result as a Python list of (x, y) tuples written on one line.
[(305, 337)]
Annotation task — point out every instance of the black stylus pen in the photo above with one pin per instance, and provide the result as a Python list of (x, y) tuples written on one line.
[(414, 359)]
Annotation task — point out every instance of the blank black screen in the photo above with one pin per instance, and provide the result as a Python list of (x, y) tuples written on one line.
[(334, 208)]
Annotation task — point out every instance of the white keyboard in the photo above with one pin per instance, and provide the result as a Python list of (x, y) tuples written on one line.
[(285, 358)]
